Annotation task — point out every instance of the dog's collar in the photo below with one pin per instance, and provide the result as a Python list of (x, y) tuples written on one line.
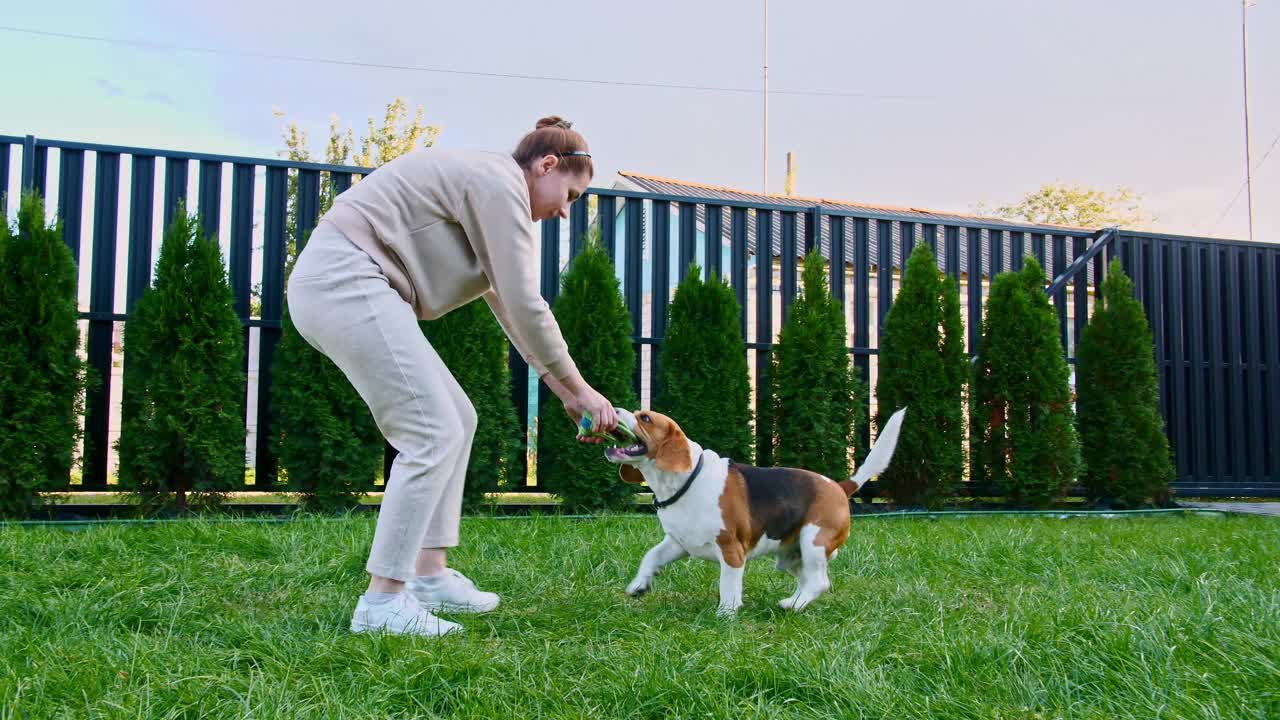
[(683, 489)]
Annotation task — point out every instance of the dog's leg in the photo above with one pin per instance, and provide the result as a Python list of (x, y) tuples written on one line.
[(813, 571), (659, 556), (732, 559)]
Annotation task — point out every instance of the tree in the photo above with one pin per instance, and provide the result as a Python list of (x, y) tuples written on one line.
[(705, 383), (42, 378), (815, 388), (1023, 439), (182, 415), (597, 327), (1076, 206), (397, 135), (1126, 453), (923, 367)]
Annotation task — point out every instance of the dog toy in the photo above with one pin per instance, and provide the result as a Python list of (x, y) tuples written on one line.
[(587, 423)]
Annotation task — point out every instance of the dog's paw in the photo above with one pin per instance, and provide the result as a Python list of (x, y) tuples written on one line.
[(728, 611), (638, 587)]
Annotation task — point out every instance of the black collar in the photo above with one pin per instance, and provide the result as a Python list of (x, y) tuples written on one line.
[(684, 489)]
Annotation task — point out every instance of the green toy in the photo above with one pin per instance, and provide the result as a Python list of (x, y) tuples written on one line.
[(621, 433)]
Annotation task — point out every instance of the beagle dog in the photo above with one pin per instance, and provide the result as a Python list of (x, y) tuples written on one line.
[(727, 512)]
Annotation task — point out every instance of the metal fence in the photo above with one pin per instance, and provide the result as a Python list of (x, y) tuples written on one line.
[(1212, 304)]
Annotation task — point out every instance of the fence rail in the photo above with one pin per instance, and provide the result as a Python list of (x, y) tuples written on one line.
[(1212, 303)]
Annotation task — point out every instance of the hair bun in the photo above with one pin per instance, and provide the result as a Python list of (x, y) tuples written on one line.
[(554, 121)]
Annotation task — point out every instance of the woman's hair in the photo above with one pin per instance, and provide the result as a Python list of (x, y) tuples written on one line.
[(555, 136)]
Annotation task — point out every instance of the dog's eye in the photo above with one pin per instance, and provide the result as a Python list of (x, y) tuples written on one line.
[(645, 418)]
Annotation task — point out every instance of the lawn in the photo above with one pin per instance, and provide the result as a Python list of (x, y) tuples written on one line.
[(977, 617)]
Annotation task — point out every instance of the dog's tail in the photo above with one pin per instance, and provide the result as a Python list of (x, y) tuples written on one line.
[(880, 455)]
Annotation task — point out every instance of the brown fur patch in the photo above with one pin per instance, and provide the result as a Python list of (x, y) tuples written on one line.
[(667, 443), (739, 535), (830, 512)]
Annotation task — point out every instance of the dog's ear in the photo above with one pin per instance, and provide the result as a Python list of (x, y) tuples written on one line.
[(673, 455), (630, 475)]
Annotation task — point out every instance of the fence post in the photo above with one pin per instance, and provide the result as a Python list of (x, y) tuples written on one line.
[(28, 163)]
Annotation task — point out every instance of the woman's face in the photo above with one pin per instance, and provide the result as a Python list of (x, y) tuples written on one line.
[(552, 189)]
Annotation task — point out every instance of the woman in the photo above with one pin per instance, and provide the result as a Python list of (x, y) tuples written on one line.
[(425, 233)]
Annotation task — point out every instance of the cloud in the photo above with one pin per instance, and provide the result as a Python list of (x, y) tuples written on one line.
[(109, 88)]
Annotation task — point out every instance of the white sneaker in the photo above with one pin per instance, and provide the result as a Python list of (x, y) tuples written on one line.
[(451, 591), (401, 615)]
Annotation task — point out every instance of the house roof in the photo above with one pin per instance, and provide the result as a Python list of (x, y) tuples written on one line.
[(900, 216)]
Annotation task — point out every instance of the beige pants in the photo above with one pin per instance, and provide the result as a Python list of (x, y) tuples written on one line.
[(342, 304)]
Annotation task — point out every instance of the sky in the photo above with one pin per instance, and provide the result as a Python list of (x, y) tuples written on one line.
[(933, 104)]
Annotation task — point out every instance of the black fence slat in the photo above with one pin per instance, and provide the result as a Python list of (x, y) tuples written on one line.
[(929, 236), (4, 180), (608, 219), (787, 262), (688, 239), (141, 203), (210, 196), (339, 182), (243, 179), (738, 262), (1195, 296), (1060, 297), (952, 252), (1221, 457), (908, 232), (1080, 290), (1158, 264), (713, 238), (812, 231), (974, 324), (550, 276), (884, 272), (1182, 411), (106, 205), (659, 289), (1255, 393), (633, 267), (175, 188), (1271, 350), (1236, 369), (862, 312), (995, 238), (307, 205), (273, 259), (1038, 250), (35, 165), (71, 198), (1017, 250), (836, 266), (578, 226), (764, 327)]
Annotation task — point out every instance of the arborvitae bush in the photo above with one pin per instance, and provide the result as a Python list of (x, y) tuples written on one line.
[(815, 388), (922, 367), (597, 327), (182, 437), (1125, 451), (42, 377), (705, 384), (1024, 442)]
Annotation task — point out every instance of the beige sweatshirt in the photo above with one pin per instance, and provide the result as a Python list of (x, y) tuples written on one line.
[(450, 226)]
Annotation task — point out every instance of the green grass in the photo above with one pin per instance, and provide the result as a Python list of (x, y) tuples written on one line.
[(1000, 617)]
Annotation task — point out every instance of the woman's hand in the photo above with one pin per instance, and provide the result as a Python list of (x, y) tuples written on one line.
[(600, 408), (580, 398)]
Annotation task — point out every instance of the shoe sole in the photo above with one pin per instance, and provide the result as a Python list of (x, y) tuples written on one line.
[(367, 628), (458, 607)]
